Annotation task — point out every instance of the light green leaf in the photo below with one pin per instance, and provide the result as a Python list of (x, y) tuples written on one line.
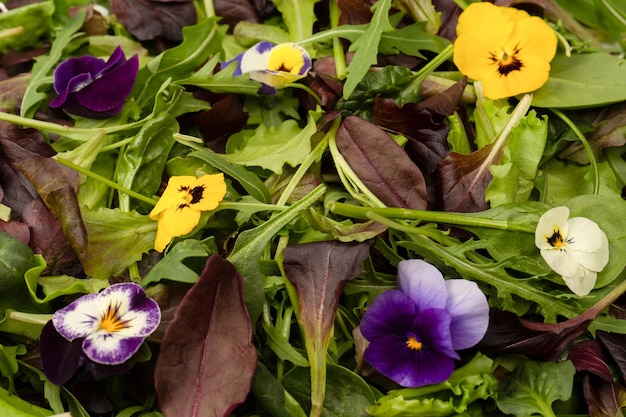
[(410, 40), (13, 406), (298, 16), (583, 80), (365, 48), (271, 148), (532, 387), (513, 178), (223, 81), (116, 239), (31, 22)]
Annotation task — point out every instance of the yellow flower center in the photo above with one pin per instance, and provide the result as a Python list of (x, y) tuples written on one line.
[(188, 196), (556, 240), (286, 58), (413, 344), (112, 321)]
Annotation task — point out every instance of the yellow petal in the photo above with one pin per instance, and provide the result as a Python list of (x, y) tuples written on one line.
[(170, 196), (213, 191), (529, 78), (287, 57), (535, 37), (174, 221)]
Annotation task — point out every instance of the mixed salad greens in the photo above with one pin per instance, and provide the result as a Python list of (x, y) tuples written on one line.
[(344, 141)]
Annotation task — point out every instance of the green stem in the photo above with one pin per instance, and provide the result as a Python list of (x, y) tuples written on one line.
[(107, 181), (433, 64), (209, 8), (82, 134), (452, 218), (338, 54), (583, 140), (238, 205)]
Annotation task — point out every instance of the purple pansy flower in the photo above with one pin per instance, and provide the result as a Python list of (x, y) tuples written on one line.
[(415, 331), (106, 328), (90, 87), (274, 66)]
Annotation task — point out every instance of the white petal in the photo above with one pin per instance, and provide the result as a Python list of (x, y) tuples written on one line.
[(80, 318), (585, 235), (256, 58), (423, 283), (582, 282), (551, 220), (561, 261)]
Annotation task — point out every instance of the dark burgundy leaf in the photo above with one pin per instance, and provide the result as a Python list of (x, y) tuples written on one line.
[(146, 19), (60, 358), (235, 11), (604, 398), (354, 12), (18, 230), (428, 139), (463, 179), (507, 333), (449, 14), (587, 356), (381, 164), (225, 117), (615, 344), (445, 103), (207, 360)]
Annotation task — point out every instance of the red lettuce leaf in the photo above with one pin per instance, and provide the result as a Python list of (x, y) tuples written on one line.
[(207, 360), (587, 356), (381, 164), (508, 333), (225, 117), (604, 398), (146, 19), (319, 271), (463, 180), (615, 344), (232, 12)]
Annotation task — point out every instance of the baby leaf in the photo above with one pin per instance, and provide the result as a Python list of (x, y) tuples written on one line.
[(381, 164), (319, 272), (534, 386), (298, 16), (207, 359)]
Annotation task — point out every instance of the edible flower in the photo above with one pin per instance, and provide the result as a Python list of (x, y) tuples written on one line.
[(106, 328), (576, 248), (181, 204), (506, 49), (414, 331), (90, 87), (274, 66)]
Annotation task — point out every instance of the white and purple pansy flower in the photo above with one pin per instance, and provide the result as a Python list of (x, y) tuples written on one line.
[(415, 330), (273, 65), (100, 332), (90, 87)]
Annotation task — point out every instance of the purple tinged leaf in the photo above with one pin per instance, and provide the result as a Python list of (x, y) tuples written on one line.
[(60, 358), (382, 165), (207, 359), (604, 398), (587, 356), (615, 344)]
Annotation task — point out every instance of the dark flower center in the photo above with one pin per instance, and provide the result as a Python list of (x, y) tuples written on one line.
[(556, 240), (195, 195), (507, 62)]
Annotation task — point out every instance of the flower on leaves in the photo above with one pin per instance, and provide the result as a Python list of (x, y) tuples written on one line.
[(506, 49), (90, 87), (184, 199), (104, 328), (576, 248), (274, 66), (414, 331)]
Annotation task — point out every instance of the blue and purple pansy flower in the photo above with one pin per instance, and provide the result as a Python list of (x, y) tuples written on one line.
[(273, 65), (414, 331), (102, 329), (91, 87)]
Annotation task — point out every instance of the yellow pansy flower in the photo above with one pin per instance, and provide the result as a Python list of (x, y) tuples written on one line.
[(506, 49), (179, 208)]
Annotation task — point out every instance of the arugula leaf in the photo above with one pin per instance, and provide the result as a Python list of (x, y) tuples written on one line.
[(40, 80), (365, 48), (532, 387), (173, 268), (223, 81)]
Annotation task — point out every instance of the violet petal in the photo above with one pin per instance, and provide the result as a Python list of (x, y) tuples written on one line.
[(469, 309), (106, 349), (75, 84), (423, 283), (60, 359), (392, 312), (72, 67)]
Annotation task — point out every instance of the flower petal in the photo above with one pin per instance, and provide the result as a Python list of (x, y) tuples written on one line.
[(213, 191), (391, 313), (257, 57), (554, 219), (469, 309), (109, 349), (563, 261), (173, 222), (423, 283), (67, 70), (582, 282), (585, 235)]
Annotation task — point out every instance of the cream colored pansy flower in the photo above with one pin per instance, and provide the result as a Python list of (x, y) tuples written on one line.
[(576, 248)]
